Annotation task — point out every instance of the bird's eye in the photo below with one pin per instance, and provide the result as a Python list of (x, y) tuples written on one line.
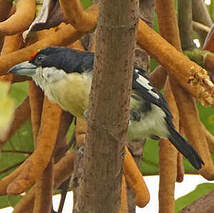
[(39, 58)]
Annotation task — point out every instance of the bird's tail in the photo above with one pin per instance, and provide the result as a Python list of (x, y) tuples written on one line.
[(185, 148)]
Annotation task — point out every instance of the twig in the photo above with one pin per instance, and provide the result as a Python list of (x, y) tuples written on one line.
[(17, 151), (62, 170), (21, 19), (83, 21), (64, 191), (198, 26)]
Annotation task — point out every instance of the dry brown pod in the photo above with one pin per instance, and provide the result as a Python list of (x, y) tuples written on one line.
[(21, 19)]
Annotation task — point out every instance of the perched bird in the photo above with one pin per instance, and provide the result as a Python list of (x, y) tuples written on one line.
[(65, 76)]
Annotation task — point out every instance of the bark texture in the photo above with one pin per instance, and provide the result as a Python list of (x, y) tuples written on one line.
[(100, 185), (142, 59), (205, 204)]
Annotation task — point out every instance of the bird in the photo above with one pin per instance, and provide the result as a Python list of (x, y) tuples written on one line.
[(65, 76)]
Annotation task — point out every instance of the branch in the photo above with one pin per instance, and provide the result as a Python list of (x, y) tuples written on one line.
[(64, 189), (188, 111), (17, 151), (158, 77), (44, 190), (5, 7), (200, 27), (189, 75), (62, 171), (62, 36), (192, 128), (201, 15), (83, 21), (51, 117), (11, 44), (36, 97), (20, 20), (185, 24), (168, 160)]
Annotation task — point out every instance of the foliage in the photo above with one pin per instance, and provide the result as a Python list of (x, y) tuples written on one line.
[(16, 149), (6, 109)]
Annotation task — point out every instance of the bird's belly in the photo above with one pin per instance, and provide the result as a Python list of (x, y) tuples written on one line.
[(151, 124)]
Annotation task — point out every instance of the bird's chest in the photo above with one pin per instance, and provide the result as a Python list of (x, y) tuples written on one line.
[(72, 94)]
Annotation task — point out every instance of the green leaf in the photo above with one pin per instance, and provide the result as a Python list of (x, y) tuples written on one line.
[(19, 91), (9, 200), (150, 158), (86, 3), (7, 107), (22, 140), (207, 117), (17, 148), (201, 190)]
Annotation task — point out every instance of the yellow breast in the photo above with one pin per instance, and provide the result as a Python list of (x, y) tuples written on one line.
[(72, 93)]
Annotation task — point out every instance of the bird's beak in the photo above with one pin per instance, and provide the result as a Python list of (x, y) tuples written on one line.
[(24, 68)]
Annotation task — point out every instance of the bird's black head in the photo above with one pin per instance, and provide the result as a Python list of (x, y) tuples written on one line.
[(66, 59), (60, 58)]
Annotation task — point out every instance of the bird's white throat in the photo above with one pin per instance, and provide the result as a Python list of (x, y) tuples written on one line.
[(47, 75)]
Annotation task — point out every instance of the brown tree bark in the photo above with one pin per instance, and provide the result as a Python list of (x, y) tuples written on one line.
[(142, 59), (204, 204), (100, 185)]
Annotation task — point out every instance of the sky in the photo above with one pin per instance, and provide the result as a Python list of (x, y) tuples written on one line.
[(188, 185)]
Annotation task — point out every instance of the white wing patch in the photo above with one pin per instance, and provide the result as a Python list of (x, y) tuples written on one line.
[(145, 83)]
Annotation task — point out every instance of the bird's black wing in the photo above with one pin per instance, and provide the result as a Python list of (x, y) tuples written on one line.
[(143, 87)]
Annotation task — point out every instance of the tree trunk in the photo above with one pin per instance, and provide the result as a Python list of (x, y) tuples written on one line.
[(100, 185)]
